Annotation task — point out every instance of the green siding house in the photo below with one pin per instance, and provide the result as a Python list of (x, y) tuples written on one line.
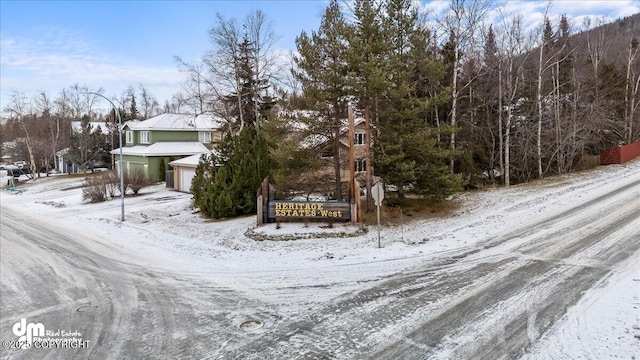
[(165, 138)]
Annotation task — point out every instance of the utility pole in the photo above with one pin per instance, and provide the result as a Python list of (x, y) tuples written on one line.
[(121, 163), (369, 173), (352, 161)]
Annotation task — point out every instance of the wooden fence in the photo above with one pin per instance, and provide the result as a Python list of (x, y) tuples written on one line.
[(620, 154), (169, 179)]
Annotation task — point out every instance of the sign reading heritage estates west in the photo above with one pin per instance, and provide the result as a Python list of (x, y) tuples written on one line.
[(288, 209)]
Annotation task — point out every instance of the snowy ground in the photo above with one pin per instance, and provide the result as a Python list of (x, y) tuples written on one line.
[(163, 231)]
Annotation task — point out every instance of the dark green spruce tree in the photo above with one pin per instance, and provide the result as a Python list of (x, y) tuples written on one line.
[(225, 184), (134, 107), (407, 152), (368, 70), (322, 71)]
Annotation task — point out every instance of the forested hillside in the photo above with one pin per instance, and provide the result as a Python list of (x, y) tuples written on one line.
[(463, 100), (486, 102)]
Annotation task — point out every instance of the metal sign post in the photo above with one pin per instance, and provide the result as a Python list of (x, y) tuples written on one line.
[(377, 193), (378, 207)]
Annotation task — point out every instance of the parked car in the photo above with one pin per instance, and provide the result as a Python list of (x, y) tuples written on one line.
[(45, 169), (99, 166), (16, 171)]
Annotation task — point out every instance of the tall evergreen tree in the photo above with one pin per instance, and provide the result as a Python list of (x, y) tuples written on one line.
[(133, 111), (323, 73), (225, 185), (368, 69), (248, 102), (407, 151)]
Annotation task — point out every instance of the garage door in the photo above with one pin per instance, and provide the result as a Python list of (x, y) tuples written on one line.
[(186, 177)]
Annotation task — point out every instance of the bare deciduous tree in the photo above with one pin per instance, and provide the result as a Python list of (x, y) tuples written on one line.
[(52, 123), (197, 87), (19, 108), (148, 103), (223, 61), (262, 38), (632, 81), (218, 75), (515, 50), (461, 22)]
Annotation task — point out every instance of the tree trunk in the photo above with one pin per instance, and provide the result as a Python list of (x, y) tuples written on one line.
[(367, 160), (539, 100), (560, 144), (454, 100), (492, 149), (513, 88), (437, 115), (239, 93), (32, 159), (336, 154), (507, 141), (633, 109), (500, 132), (629, 94)]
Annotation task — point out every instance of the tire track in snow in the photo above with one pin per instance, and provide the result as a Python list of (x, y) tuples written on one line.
[(442, 311), (126, 311)]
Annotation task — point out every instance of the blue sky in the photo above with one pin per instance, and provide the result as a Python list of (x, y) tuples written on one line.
[(49, 45)]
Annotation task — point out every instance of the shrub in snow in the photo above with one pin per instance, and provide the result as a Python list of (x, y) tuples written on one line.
[(137, 180), (93, 189), (225, 184), (111, 182)]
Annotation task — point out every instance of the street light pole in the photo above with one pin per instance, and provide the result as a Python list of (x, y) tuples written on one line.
[(121, 170)]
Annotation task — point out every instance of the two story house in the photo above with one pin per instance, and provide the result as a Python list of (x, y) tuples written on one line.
[(322, 179), (165, 138), (359, 141)]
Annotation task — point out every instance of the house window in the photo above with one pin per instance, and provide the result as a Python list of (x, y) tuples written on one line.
[(359, 139), (204, 136), (144, 137), (327, 152), (361, 165), (129, 135)]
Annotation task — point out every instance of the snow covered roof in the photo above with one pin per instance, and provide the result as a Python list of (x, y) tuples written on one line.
[(189, 161), (178, 122), (315, 140), (168, 148)]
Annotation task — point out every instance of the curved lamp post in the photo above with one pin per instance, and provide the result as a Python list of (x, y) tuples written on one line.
[(121, 170)]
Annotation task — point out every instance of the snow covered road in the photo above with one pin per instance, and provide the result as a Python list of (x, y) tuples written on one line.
[(518, 272), (491, 303), (62, 278)]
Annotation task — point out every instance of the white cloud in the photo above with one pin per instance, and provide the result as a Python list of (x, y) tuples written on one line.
[(612, 9), (435, 8), (58, 59), (532, 12)]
